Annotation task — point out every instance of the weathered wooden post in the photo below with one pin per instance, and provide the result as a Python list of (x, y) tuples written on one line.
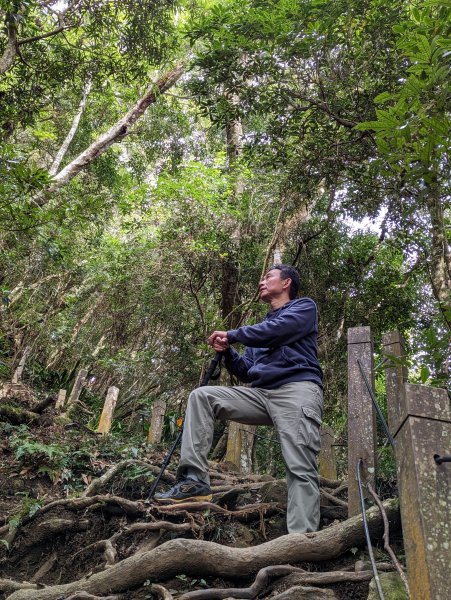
[(18, 372), (361, 414), (61, 400), (423, 429), (106, 417), (240, 442), (393, 346), (78, 386), (156, 422), (327, 460)]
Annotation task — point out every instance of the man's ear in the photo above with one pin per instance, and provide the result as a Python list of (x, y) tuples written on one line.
[(287, 282)]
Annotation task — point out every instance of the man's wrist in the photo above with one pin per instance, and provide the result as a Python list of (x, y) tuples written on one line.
[(231, 336)]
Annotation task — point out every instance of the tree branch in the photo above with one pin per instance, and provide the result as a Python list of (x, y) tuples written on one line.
[(43, 35), (120, 130), (324, 107), (70, 136)]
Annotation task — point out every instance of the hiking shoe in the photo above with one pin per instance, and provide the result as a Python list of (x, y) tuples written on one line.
[(185, 490)]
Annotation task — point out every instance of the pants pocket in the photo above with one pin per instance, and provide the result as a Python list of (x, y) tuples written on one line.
[(309, 429)]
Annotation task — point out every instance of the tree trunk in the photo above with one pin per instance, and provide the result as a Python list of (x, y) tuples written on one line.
[(10, 52)]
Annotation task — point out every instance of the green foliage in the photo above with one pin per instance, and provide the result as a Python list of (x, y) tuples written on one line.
[(413, 128), (30, 451)]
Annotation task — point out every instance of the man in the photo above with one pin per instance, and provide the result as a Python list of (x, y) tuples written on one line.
[(281, 364)]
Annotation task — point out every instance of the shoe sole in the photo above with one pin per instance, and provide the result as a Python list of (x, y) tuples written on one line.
[(207, 498)]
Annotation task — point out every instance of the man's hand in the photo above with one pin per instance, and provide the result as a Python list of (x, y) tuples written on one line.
[(218, 340)]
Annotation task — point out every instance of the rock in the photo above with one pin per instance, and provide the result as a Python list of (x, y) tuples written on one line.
[(274, 491), (392, 587), (299, 592)]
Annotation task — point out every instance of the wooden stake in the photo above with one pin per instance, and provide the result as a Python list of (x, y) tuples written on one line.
[(239, 446), (78, 386), (157, 422), (18, 372), (395, 376), (108, 410), (361, 415), (61, 400)]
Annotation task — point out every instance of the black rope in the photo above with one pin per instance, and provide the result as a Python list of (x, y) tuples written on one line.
[(441, 459), (376, 405), (367, 533)]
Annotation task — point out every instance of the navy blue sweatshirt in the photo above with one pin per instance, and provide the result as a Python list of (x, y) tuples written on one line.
[(281, 349)]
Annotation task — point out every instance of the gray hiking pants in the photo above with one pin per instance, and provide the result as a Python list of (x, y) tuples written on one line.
[(295, 410)]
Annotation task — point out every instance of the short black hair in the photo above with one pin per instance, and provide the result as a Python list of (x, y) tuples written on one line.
[(289, 272)]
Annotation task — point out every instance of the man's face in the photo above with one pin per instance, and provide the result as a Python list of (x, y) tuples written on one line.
[(272, 286)]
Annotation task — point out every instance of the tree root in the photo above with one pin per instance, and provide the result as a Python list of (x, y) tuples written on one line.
[(242, 514), (298, 577), (44, 568), (86, 596), (98, 484), (161, 592), (386, 538), (333, 499), (132, 509), (8, 586), (161, 525), (260, 583), (195, 557)]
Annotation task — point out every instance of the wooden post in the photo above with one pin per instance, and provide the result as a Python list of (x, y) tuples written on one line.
[(60, 401), (361, 415), (78, 386), (106, 417), (395, 376), (327, 460), (18, 372), (157, 422), (240, 442), (422, 430)]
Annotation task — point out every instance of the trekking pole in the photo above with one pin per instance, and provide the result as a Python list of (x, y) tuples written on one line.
[(209, 374)]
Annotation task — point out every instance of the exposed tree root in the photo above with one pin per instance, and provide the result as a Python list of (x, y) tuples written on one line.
[(333, 499), (98, 484), (260, 583), (53, 526), (8, 585), (386, 538), (161, 525), (298, 577), (161, 592), (44, 568), (130, 508), (195, 557), (242, 514), (86, 596)]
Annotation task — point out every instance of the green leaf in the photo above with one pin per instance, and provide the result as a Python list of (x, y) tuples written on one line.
[(424, 373), (382, 98)]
